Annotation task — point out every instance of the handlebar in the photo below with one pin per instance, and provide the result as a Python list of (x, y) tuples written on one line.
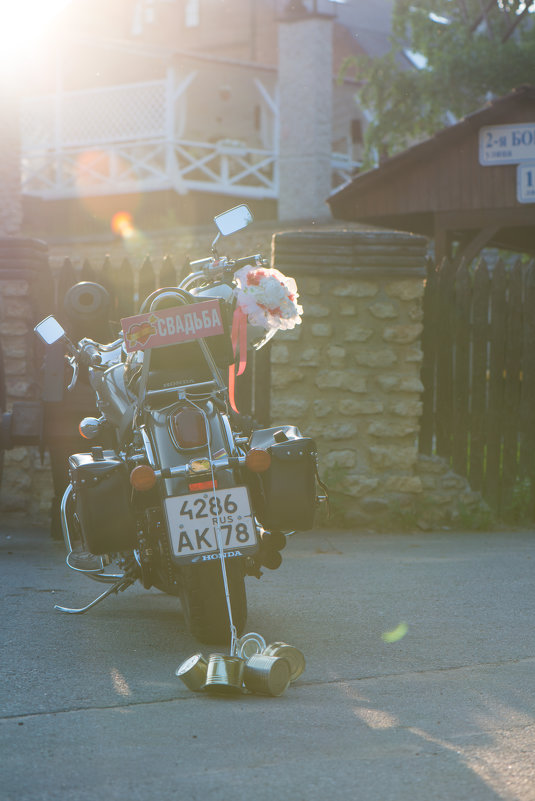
[(237, 263), (215, 267), (207, 263), (213, 264), (86, 354), (89, 354)]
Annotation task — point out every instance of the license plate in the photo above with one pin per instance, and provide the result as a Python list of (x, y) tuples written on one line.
[(195, 520)]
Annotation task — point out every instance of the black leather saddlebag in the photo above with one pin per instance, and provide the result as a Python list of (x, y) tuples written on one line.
[(287, 500), (102, 495)]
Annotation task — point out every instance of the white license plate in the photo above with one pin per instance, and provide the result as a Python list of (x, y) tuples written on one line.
[(194, 521)]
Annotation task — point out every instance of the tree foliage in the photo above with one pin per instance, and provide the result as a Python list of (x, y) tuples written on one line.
[(471, 49)]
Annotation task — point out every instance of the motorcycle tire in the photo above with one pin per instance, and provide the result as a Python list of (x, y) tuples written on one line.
[(204, 603)]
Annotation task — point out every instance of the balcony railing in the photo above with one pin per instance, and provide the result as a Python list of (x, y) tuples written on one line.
[(125, 139)]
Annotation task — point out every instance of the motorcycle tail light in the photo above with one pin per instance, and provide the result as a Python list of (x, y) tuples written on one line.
[(142, 478), (197, 486), (188, 428), (258, 460)]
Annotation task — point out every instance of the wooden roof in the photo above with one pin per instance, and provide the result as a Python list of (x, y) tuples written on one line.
[(438, 188)]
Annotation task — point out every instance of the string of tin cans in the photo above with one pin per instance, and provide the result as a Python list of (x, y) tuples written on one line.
[(255, 667)]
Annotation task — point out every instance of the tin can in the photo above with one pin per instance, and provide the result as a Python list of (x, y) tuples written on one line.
[(250, 644), (267, 675), (224, 674), (193, 672), (294, 656)]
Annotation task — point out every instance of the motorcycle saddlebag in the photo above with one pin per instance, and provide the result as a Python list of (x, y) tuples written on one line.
[(288, 488), (103, 501)]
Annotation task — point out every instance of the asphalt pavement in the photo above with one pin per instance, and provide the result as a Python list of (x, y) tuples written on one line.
[(419, 684)]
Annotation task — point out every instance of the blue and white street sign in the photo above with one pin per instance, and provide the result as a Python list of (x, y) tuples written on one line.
[(525, 183), (507, 144)]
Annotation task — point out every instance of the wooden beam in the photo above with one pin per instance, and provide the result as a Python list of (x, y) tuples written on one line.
[(512, 217), (469, 249)]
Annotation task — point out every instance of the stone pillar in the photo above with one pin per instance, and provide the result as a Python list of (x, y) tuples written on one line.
[(305, 106), (349, 375)]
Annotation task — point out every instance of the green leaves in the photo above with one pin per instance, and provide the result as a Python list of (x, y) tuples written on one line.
[(470, 50)]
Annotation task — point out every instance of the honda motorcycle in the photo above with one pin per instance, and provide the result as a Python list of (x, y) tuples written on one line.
[(179, 492)]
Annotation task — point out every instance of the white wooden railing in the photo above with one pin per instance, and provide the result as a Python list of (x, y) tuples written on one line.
[(150, 165), (125, 139)]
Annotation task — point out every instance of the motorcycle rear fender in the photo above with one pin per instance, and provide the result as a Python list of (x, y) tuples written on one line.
[(167, 454)]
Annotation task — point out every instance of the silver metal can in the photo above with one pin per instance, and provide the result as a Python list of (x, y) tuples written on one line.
[(294, 656), (267, 675), (224, 674), (193, 672)]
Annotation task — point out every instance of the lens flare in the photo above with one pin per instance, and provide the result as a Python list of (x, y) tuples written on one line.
[(395, 634), (91, 167), (122, 224)]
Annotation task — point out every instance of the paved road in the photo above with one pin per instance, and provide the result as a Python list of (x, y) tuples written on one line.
[(91, 708)]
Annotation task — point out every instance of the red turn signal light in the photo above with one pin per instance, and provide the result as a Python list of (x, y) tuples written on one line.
[(258, 460), (142, 478)]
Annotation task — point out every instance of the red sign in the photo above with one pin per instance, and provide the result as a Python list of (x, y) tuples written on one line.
[(170, 326)]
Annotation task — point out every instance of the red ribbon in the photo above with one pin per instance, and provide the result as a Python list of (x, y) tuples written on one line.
[(239, 345)]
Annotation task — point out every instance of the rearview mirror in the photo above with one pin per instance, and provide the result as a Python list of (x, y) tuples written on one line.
[(233, 220), (49, 330)]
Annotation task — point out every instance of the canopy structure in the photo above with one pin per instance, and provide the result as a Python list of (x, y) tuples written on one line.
[(471, 185)]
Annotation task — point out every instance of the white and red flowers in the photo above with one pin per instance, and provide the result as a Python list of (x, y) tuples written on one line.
[(268, 298)]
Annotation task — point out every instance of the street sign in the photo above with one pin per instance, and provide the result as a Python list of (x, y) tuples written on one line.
[(507, 144), (525, 183)]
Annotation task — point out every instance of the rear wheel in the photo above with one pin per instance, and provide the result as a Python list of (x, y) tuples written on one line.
[(204, 602)]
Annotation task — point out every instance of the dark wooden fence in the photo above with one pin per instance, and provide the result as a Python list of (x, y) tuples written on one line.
[(128, 287), (479, 378)]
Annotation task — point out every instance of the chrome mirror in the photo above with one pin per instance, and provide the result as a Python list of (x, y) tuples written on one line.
[(233, 220), (49, 330)]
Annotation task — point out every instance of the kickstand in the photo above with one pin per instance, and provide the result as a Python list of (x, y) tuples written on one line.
[(119, 586)]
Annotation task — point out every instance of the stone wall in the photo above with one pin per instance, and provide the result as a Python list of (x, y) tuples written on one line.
[(26, 487), (349, 375)]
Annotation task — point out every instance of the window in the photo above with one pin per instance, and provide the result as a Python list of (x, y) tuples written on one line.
[(192, 13)]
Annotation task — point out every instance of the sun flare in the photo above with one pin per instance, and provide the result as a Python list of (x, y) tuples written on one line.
[(22, 24)]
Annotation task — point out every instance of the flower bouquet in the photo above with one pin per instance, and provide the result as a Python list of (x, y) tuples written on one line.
[(268, 298)]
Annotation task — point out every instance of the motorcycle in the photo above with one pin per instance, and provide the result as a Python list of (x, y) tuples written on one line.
[(181, 492)]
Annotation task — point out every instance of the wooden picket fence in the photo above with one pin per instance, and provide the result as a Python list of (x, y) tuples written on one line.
[(128, 286), (479, 378)]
